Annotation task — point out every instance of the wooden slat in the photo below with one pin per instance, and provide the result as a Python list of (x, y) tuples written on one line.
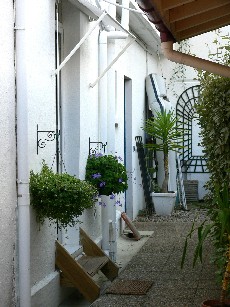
[(92, 264), (65, 282), (131, 226), (169, 4), (76, 274), (205, 27), (192, 9), (110, 270), (202, 18)]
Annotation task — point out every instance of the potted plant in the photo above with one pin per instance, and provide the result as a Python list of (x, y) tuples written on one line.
[(60, 197), (107, 174), (218, 227), (162, 128)]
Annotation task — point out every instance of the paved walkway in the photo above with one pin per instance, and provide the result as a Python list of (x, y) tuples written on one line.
[(158, 260)]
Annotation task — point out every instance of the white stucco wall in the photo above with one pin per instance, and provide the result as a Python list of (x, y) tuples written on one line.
[(40, 53), (8, 198)]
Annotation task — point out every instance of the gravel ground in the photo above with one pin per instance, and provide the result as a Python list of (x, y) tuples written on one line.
[(193, 213)]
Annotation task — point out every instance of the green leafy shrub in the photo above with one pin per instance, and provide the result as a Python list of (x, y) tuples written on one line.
[(60, 197), (107, 174), (214, 117)]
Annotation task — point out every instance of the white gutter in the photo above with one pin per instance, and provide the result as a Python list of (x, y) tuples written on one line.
[(22, 158), (124, 6), (195, 62)]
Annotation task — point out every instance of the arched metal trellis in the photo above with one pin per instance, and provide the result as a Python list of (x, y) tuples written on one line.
[(191, 155)]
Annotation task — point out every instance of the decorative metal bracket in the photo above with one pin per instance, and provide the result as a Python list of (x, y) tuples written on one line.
[(99, 146), (50, 136)]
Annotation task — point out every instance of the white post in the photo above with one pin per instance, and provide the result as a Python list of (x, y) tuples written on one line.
[(22, 158), (125, 15), (102, 88)]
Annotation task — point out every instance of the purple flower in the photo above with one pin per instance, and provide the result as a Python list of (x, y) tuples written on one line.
[(101, 203), (102, 184), (112, 196), (98, 155), (97, 175), (120, 180)]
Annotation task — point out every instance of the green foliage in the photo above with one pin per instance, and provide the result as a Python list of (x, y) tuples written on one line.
[(107, 174), (214, 117), (60, 197), (217, 229)]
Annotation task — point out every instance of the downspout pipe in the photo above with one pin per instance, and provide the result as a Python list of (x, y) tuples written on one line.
[(192, 61), (104, 88), (167, 40), (22, 158)]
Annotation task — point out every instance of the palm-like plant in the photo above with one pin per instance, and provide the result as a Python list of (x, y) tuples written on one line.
[(162, 128)]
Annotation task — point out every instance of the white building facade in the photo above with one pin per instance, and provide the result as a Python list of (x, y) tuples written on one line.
[(96, 95)]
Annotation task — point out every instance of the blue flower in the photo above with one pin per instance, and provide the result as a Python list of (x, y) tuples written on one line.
[(120, 180), (118, 203), (97, 175), (97, 155), (112, 196), (101, 203), (102, 184)]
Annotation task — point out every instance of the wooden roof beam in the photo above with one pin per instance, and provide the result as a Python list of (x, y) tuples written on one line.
[(170, 4), (202, 18), (189, 10), (203, 28)]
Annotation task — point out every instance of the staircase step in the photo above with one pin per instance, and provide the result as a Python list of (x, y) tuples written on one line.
[(92, 264)]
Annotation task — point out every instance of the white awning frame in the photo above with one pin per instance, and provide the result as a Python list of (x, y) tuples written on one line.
[(95, 13)]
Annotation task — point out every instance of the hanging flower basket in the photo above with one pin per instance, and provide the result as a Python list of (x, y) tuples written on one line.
[(107, 174)]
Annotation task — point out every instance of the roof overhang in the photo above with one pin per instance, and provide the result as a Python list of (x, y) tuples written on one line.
[(188, 18)]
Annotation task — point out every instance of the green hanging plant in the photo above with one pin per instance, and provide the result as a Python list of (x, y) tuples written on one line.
[(60, 197)]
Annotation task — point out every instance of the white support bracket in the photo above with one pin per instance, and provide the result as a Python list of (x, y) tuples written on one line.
[(79, 44), (114, 61)]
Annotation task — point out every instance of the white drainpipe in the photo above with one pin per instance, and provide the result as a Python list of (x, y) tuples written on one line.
[(105, 87), (125, 15), (22, 158), (195, 62)]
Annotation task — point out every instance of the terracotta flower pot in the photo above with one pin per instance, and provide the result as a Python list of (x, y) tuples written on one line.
[(215, 303)]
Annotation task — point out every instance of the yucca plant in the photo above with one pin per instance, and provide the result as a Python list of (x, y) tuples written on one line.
[(162, 128)]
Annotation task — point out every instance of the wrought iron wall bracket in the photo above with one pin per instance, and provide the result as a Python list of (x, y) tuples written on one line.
[(98, 147), (47, 136)]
